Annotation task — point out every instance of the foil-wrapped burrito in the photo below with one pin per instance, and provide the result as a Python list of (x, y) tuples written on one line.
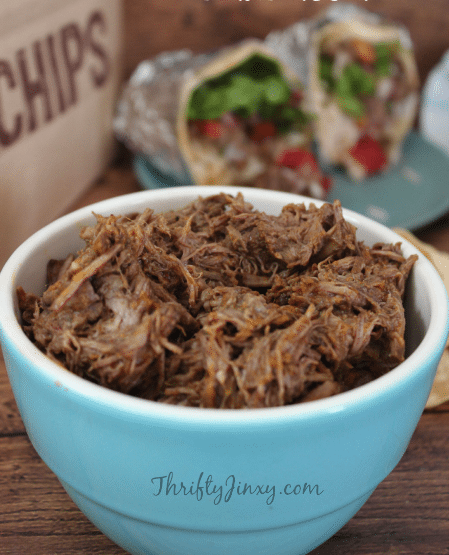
[(235, 117), (242, 120), (343, 85), (145, 119), (363, 86)]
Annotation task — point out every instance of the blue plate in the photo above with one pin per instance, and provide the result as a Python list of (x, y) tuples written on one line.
[(411, 195), (152, 178)]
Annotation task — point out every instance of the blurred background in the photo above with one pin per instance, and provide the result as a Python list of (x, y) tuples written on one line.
[(152, 26), (63, 64)]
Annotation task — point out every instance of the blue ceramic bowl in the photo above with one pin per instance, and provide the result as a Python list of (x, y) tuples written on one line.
[(176, 480)]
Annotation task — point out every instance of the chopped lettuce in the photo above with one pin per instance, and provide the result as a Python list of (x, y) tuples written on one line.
[(275, 90), (241, 94), (255, 85), (357, 81), (384, 57), (350, 88), (361, 81), (206, 101), (352, 106), (325, 71)]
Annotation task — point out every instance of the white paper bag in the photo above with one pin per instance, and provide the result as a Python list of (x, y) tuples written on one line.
[(59, 77)]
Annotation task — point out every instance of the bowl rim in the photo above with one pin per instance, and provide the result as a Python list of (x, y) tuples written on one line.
[(105, 399)]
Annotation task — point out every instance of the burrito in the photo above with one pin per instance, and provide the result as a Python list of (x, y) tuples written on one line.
[(242, 120), (363, 86)]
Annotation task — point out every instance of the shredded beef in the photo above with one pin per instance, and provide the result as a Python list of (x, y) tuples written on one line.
[(219, 305)]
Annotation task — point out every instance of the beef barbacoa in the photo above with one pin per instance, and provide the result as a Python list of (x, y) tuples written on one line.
[(220, 305)]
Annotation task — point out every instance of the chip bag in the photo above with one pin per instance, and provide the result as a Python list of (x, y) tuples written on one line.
[(60, 73)]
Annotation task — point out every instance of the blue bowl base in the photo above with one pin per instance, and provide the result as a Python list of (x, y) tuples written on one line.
[(146, 538)]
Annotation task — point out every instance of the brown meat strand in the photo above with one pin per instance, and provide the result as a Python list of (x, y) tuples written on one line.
[(218, 305)]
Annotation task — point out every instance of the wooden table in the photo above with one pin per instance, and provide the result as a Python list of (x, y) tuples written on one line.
[(407, 514)]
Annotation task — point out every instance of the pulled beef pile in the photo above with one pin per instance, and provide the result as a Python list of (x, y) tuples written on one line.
[(219, 305)]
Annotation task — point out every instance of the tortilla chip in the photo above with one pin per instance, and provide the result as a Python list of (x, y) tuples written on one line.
[(440, 389)]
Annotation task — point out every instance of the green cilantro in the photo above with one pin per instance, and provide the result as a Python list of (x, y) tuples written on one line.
[(343, 85), (351, 87), (356, 83), (325, 71), (361, 81), (352, 106), (384, 57)]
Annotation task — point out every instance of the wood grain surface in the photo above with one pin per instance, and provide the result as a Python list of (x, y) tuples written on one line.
[(408, 514)]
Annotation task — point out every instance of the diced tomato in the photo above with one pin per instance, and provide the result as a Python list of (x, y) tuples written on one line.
[(210, 128), (297, 157), (326, 183), (370, 154), (263, 130)]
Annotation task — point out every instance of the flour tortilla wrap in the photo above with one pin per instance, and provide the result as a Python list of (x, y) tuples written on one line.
[(205, 167), (207, 164), (336, 131)]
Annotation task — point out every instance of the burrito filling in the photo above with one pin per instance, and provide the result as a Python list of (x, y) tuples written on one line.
[(369, 84), (248, 126)]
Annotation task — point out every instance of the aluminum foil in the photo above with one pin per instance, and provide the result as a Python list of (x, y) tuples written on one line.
[(145, 119), (146, 113), (291, 45)]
